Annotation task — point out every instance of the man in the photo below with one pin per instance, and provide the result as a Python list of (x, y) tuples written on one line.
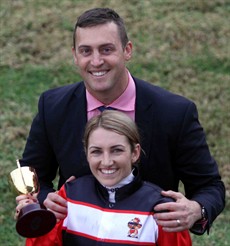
[(172, 138)]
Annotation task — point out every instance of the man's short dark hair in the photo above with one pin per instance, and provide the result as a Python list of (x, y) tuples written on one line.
[(99, 16)]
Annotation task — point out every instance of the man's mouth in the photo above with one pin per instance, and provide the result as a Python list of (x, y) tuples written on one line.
[(98, 74)]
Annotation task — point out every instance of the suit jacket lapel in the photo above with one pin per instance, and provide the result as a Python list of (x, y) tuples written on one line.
[(81, 107), (144, 116), (81, 119)]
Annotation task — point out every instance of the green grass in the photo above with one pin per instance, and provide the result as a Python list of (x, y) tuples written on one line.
[(180, 45)]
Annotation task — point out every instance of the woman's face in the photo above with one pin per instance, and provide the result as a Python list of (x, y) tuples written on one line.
[(110, 156)]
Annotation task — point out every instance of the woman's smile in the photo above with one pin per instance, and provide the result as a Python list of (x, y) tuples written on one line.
[(110, 156)]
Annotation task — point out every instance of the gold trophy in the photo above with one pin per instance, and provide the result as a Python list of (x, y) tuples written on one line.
[(33, 221)]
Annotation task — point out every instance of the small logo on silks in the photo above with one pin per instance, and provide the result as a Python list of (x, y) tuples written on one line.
[(134, 225)]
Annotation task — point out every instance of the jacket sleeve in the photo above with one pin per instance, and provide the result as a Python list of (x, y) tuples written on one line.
[(53, 238), (174, 238), (39, 154), (179, 149), (197, 169)]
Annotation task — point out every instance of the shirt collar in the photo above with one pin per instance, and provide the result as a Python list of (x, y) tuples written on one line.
[(126, 101)]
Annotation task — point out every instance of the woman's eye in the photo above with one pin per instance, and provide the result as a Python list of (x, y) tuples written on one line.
[(117, 150), (95, 152)]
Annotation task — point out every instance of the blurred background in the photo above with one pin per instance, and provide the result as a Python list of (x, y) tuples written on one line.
[(180, 45)]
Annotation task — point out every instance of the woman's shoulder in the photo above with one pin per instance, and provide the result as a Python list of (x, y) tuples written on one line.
[(154, 192)]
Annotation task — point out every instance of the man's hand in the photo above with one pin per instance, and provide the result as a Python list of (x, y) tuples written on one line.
[(182, 214), (57, 204)]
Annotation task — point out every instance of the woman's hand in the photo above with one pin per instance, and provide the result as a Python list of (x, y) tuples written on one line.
[(57, 204), (22, 201)]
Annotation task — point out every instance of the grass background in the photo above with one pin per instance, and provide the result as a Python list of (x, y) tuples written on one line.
[(180, 45)]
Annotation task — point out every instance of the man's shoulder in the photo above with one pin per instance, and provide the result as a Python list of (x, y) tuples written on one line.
[(63, 95), (62, 100), (148, 92), (63, 90)]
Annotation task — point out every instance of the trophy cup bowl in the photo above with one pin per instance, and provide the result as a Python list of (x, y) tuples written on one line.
[(33, 220)]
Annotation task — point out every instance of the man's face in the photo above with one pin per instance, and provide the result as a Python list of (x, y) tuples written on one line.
[(101, 59)]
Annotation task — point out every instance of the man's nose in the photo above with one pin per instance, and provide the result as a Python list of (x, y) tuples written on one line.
[(96, 59)]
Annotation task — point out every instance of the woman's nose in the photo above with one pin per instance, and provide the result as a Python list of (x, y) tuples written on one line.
[(106, 160)]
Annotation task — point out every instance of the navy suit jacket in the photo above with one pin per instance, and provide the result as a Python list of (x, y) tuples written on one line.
[(172, 138)]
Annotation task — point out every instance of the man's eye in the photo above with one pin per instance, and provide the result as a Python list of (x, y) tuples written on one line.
[(107, 50), (85, 51)]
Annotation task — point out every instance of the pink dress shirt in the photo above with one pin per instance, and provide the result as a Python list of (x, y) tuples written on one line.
[(125, 103)]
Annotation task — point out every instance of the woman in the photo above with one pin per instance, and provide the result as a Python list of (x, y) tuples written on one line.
[(113, 206)]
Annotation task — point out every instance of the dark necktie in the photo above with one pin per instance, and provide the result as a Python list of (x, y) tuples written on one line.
[(102, 108)]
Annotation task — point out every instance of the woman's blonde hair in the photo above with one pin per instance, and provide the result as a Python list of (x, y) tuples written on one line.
[(115, 121)]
